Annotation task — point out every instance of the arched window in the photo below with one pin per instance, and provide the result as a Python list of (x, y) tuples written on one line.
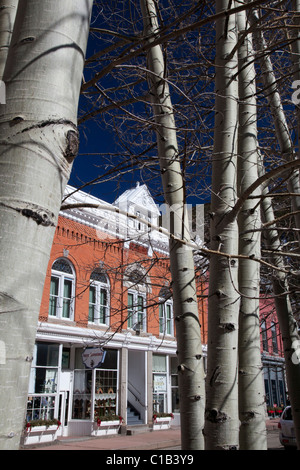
[(99, 298), (166, 325), (62, 289)]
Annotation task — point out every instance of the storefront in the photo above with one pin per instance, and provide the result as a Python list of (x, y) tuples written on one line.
[(275, 384), (65, 386)]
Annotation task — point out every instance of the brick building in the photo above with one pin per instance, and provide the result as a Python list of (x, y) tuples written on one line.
[(105, 339), (106, 297)]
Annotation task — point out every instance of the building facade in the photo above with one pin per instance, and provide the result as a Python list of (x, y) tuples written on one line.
[(105, 341), (272, 357)]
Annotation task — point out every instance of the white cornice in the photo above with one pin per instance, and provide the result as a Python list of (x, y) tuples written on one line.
[(85, 336)]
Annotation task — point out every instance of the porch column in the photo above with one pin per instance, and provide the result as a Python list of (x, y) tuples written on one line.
[(149, 387), (123, 383)]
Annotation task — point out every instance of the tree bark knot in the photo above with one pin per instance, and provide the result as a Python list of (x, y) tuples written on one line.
[(32, 211), (40, 216), (72, 146), (216, 416)]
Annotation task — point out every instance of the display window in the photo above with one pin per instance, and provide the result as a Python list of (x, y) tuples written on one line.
[(95, 390), (43, 382), (159, 365)]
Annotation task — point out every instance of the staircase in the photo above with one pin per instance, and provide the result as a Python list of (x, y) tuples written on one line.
[(134, 422)]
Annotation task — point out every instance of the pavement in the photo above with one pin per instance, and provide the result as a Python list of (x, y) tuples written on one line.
[(146, 441)]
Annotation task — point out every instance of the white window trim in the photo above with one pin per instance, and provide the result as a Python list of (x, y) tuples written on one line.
[(100, 285), (61, 276), (163, 303), (135, 295)]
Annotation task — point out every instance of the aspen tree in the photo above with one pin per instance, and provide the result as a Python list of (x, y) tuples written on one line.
[(8, 10), (253, 434), (38, 143), (190, 369), (283, 135), (222, 420), (284, 311)]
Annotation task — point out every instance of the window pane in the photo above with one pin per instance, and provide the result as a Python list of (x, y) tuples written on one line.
[(67, 289), (92, 294), (161, 318), (91, 313), (67, 298), (140, 313), (130, 311), (40, 408), (140, 302), (98, 275), (52, 306), (111, 359), (54, 286), (63, 266), (105, 393), (103, 297), (103, 304), (82, 394), (43, 380), (92, 303), (66, 308), (168, 319), (47, 354), (53, 295), (130, 300), (159, 363)]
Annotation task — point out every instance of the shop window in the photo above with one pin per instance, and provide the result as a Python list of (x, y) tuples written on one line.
[(43, 382), (82, 395), (99, 298), (159, 366), (62, 290), (136, 311), (105, 393), (99, 384)]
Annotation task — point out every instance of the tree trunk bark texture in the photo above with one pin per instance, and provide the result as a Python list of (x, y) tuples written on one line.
[(38, 142), (284, 311), (190, 369), (222, 420), (253, 434)]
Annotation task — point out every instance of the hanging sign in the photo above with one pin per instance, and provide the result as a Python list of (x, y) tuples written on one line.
[(93, 357)]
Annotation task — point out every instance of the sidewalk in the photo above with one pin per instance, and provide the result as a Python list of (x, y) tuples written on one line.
[(150, 440)]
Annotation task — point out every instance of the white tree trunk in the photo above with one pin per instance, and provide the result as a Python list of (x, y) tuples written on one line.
[(280, 123), (222, 420), (8, 10), (287, 323), (191, 370), (253, 435), (39, 140)]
